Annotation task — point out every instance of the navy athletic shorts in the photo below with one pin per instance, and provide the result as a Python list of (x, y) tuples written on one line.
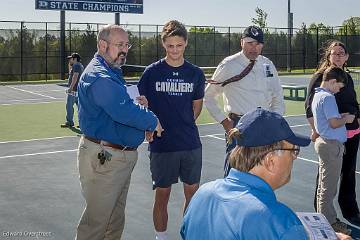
[(167, 167)]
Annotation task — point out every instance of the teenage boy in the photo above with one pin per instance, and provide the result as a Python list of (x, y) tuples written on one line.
[(329, 146), (174, 89)]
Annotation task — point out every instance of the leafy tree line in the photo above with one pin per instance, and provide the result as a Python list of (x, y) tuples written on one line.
[(31, 54)]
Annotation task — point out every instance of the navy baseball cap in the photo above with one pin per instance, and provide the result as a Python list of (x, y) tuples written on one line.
[(262, 127), (75, 55), (252, 33)]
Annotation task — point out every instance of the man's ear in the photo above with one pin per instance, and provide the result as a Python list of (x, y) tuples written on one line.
[(102, 45), (269, 162)]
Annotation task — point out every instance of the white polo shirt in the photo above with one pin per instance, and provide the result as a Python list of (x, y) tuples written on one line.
[(260, 88)]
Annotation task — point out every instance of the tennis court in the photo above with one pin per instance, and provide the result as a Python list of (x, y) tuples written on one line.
[(41, 191)]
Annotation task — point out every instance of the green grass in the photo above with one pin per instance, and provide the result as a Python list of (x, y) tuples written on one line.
[(294, 107), (32, 121), (29, 121)]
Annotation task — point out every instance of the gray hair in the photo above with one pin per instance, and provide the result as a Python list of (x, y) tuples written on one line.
[(105, 31), (245, 158)]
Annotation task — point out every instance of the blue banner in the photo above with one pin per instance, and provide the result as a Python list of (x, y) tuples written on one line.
[(121, 6)]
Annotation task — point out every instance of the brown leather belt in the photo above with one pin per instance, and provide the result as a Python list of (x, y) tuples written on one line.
[(234, 115), (112, 145)]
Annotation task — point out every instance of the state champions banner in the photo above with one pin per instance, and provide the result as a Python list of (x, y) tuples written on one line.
[(121, 6)]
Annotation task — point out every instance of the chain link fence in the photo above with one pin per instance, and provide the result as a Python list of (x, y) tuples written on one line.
[(31, 50)]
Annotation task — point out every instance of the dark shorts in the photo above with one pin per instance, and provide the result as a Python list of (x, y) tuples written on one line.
[(167, 167)]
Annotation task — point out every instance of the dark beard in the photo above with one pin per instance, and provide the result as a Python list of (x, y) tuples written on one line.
[(119, 61)]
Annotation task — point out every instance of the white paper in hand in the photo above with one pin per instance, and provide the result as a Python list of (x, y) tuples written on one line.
[(133, 92), (316, 226)]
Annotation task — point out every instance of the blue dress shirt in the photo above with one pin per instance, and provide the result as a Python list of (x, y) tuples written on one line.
[(106, 111)]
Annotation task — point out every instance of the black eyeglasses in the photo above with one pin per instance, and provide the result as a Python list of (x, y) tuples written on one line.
[(342, 54), (295, 150)]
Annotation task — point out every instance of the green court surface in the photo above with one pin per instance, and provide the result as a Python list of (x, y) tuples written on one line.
[(33, 121), (42, 120)]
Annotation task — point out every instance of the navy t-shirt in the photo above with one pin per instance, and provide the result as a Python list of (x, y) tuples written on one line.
[(75, 68), (170, 92)]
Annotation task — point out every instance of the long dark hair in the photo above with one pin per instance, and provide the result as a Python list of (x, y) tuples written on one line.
[(325, 59)]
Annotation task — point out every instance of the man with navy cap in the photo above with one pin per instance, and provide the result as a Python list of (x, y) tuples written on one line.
[(243, 205), (75, 70), (245, 80)]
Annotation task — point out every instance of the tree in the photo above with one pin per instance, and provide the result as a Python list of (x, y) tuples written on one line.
[(321, 28), (352, 25), (202, 30), (260, 19)]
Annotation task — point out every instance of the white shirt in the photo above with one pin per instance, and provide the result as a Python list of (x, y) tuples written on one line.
[(260, 88)]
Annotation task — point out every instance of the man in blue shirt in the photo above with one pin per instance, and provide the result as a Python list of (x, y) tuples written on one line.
[(243, 205), (175, 90), (113, 127), (75, 71)]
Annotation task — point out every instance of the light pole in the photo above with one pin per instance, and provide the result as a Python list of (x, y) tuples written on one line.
[(62, 45), (117, 18), (290, 30)]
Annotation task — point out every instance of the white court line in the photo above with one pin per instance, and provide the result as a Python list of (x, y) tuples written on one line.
[(38, 139), (74, 150), (26, 99), (39, 153), (204, 124), (9, 104), (30, 92), (299, 125), (294, 115), (54, 90), (317, 163), (308, 160), (213, 136), (53, 138)]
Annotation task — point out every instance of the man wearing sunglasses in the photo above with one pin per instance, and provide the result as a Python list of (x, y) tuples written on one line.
[(243, 205)]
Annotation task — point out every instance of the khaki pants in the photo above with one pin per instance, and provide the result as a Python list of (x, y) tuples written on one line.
[(105, 189), (330, 160)]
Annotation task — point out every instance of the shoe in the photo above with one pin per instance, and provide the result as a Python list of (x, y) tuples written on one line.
[(66, 125), (354, 219), (341, 227)]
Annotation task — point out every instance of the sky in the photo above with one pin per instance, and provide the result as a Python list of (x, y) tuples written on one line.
[(227, 13)]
